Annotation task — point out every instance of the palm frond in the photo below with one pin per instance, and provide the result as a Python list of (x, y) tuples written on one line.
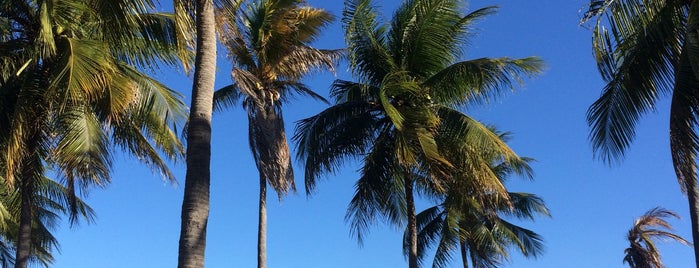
[(226, 97), (642, 251), (336, 134), (82, 149), (480, 80), (636, 56), (378, 193), (366, 39)]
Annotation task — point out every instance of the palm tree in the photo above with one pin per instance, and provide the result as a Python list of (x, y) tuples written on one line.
[(471, 222), (71, 92), (400, 119), (642, 252), (270, 47), (195, 203), (645, 50)]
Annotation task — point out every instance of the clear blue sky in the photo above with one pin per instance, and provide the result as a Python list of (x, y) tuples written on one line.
[(593, 205)]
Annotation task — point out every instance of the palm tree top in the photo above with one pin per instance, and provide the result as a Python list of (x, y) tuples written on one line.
[(652, 226)]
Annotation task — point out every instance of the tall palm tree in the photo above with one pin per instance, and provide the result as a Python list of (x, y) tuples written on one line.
[(471, 222), (72, 92), (195, 203), (400, 118), (270, 46), (645, 49), (642, 252)]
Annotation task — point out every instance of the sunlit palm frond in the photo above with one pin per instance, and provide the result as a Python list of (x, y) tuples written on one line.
[(302, 60), (480, 80), (82, 148), (82, 71), (429, 36), (369, 57), (152, 41)]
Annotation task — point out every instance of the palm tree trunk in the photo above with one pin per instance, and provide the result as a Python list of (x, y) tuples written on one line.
[(464, 253), (412, 222), (262, 226), (24, 238), (31, 167), (693, 195), (195, 204)]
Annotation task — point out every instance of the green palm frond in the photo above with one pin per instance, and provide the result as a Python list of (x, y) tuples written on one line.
[(637, 48), (402, 121), (289, 89), (348, 91), (81, 72), (480, 80), (377, 193), (369, 58), (529, 243), (154, 42), (526, 206), (448, 241), (429, 36), (82, 148), (471, 220)]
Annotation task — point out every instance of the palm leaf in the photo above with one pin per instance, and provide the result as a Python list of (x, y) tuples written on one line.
[(480, 80), (636, 58)]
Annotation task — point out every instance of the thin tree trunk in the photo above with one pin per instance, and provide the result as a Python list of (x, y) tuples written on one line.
[(31, 167), (464, 253), (412, 223), (262, 226), (24, 238), (195, 204), (693, 195)]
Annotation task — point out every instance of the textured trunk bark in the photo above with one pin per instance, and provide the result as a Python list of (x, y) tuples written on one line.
[(195, 204), (262, 226), (24, 238), (464, 254), (412, 222)]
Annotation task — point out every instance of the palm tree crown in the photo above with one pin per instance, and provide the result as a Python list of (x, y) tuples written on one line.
[(71, 93), (474, 223), (642, 251), (271, 51), (269, 43), (399, 118)]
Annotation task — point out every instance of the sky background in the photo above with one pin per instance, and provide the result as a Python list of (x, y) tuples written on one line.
[(592, 204)]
